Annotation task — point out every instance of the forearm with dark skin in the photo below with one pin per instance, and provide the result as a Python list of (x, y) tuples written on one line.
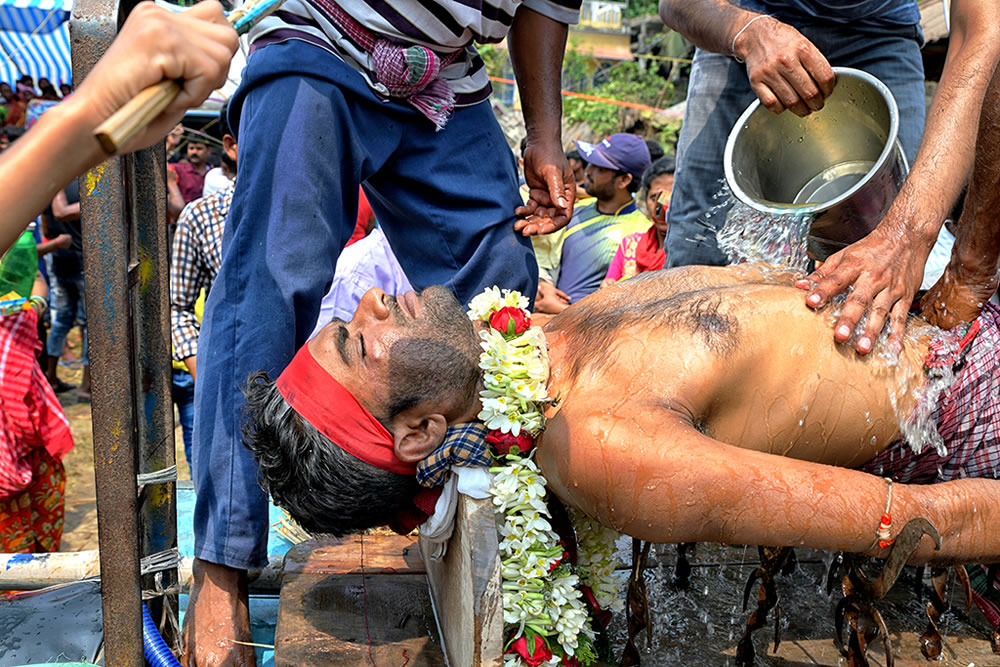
[(536, 45), (709, 24), (977, 240), (46, 247), (971, 275)]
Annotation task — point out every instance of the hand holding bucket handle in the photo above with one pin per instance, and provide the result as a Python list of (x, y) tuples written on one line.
[(785, 69)]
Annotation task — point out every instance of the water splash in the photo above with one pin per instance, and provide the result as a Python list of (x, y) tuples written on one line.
[(750, 235), (914, 399)]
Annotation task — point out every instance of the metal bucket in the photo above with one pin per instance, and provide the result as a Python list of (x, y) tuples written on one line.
[(842, 165)]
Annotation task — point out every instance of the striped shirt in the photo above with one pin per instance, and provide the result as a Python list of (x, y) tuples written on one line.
[(578, 259), (195, 261), (444, 26)]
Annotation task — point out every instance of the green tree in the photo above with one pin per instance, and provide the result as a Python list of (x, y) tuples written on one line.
[(625, 82), (495, 59), (641, 8)]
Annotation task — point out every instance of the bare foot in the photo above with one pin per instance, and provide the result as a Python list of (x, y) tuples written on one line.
[(217, 614)]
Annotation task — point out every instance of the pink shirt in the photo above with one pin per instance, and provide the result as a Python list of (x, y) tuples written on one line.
[(623, 263)]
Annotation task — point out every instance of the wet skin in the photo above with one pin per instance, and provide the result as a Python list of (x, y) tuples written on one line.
[(683, 422), (733, 418)]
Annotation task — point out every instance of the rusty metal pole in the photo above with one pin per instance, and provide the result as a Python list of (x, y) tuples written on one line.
[(93, 26), (123, 209), (146, 206)]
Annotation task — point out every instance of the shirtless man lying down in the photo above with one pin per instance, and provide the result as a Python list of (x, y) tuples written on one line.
[(697, 404)]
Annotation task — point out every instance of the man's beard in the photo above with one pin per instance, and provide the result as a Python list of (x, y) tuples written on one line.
[(437, 361), (602, 192)]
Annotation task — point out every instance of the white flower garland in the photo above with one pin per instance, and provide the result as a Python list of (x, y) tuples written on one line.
[(542, 598)]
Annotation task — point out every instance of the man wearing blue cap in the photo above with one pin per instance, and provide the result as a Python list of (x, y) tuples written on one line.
[(571, 264)]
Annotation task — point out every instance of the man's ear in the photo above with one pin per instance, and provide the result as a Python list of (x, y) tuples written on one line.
[(229, 146), (417, 433), (625, 180)]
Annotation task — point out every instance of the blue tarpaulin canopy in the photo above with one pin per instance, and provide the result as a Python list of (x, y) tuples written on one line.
[(34, 40)]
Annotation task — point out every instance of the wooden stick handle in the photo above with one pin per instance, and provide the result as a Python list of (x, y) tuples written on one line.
[(128, 121)]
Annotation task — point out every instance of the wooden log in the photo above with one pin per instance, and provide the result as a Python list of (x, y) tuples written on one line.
[(466, 587), (339, 608)]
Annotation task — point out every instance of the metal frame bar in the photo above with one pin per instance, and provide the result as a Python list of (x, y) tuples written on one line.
[(125, 258)]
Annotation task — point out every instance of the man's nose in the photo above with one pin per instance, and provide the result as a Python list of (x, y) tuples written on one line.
[(373, 305)]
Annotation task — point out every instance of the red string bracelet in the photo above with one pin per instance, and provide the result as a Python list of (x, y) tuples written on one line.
[(885, 538)]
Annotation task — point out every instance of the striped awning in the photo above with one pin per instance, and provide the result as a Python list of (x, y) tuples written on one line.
[(34, 40), (33, 16)]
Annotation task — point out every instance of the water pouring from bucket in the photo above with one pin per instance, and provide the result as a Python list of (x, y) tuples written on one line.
[(839, 168)]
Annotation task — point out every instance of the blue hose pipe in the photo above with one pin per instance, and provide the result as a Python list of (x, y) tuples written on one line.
[(155, 649)]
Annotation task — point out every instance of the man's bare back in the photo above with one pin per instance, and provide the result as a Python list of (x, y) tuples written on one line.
[(677, 391)]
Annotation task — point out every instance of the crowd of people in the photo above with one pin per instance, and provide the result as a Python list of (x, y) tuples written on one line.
[(337, 175)]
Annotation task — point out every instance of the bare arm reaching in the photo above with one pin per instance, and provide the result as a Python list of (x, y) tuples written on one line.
[(154, 44), (885, 267), (785, 69), (971, 276)]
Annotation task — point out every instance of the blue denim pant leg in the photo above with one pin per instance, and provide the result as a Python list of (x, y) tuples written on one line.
[(68, 308), (719, 92), (182, 394), (311, 130)]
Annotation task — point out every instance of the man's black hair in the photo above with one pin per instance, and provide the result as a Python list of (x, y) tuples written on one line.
[(665, 165), (214, 158), (633, 185), (324, 488), (655, 150), (574, 155), (224, 128)]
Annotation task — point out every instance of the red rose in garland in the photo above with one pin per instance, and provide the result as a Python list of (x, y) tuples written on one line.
[(539, 654), (502, 443), (510, 321)]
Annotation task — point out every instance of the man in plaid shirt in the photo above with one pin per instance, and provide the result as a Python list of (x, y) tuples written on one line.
[(195, 261)]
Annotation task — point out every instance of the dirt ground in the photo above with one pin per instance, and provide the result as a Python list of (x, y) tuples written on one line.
[(80, 531)]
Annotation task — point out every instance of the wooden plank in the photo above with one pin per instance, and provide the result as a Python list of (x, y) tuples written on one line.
[(356, 619), (466, 587), (388, 554)]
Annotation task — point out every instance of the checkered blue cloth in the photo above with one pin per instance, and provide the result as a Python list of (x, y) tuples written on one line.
[(464, 445), (967, 414)]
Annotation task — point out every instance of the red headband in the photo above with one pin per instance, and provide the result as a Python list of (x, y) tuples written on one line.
[(333, 411)]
